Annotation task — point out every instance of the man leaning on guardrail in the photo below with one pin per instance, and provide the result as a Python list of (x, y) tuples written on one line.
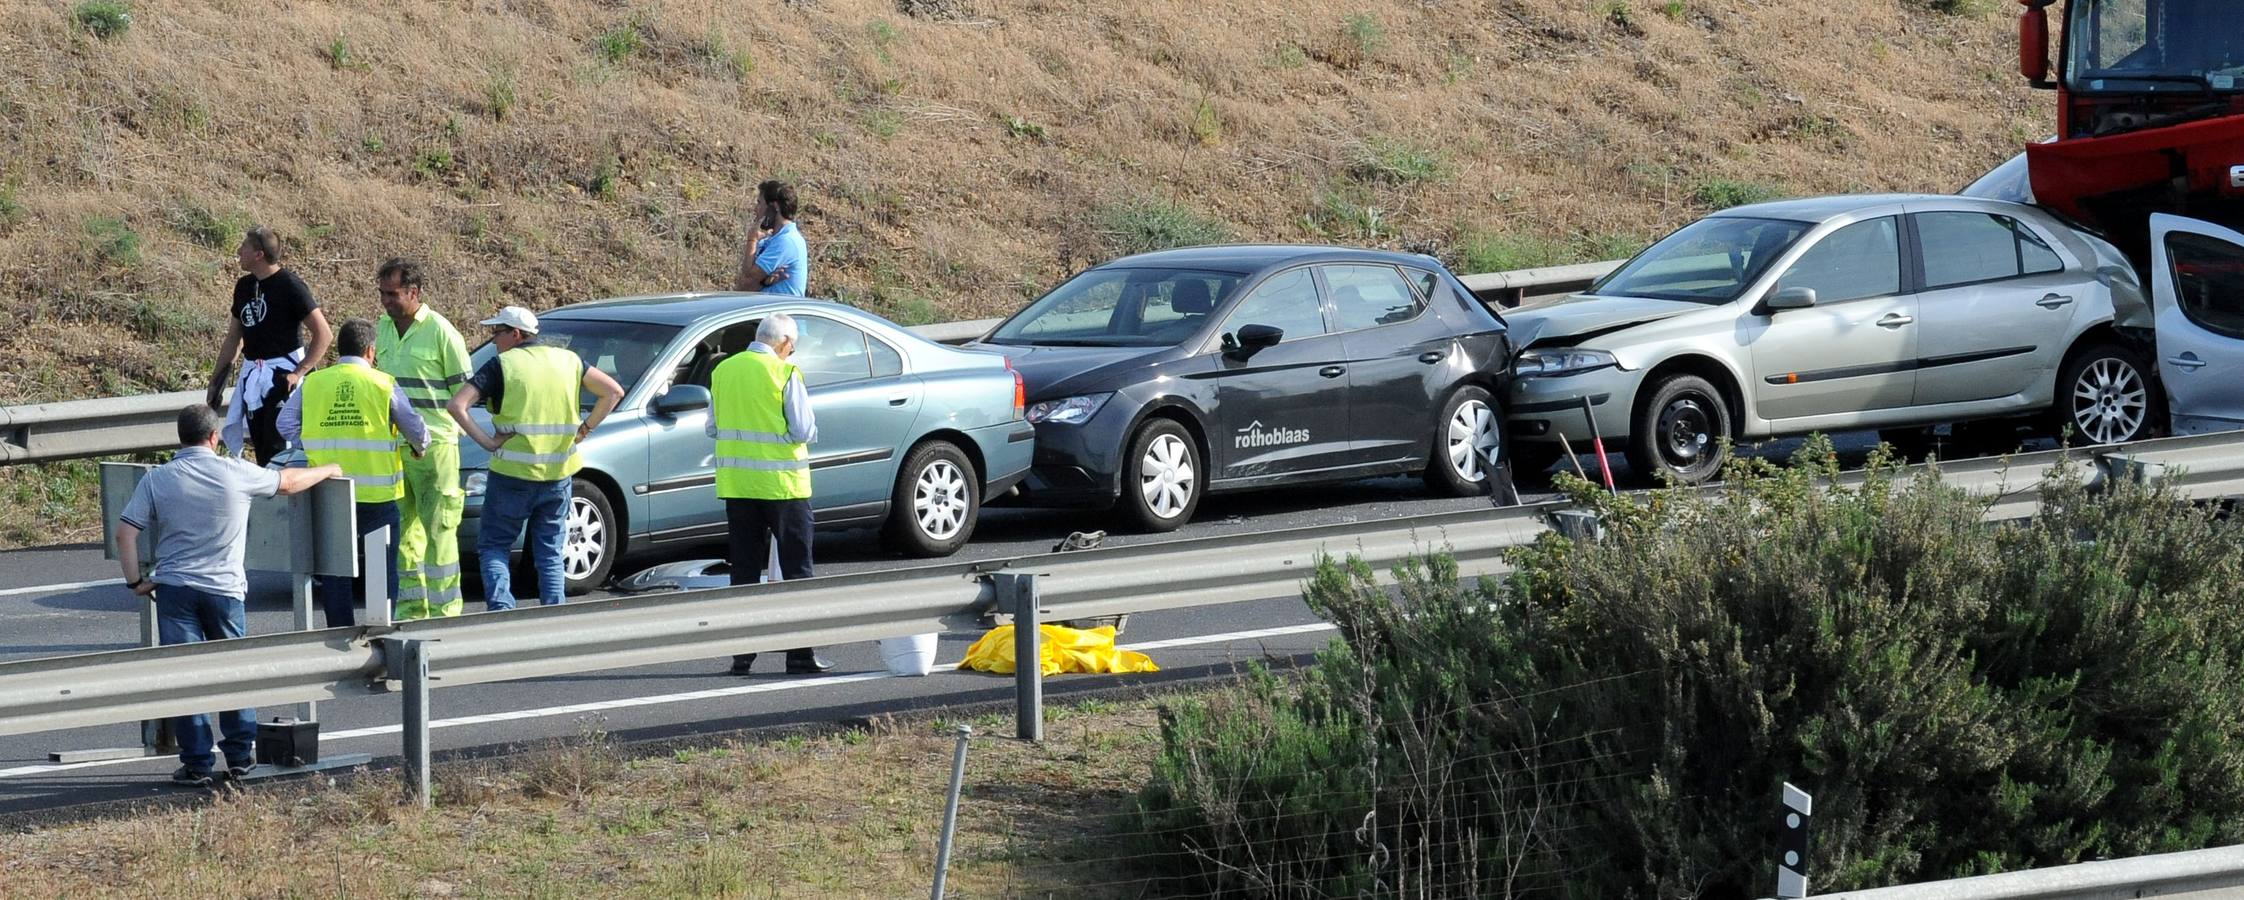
[(197, 506)]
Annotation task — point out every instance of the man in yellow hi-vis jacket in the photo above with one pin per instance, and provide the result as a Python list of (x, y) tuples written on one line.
[(531, 390), (429, 359), (350, 414), (762, 421)]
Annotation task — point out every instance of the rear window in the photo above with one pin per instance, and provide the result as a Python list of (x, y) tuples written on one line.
[(1968, 247)]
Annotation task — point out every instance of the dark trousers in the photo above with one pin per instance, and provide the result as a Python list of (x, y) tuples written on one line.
[(189, 616), (753, 524), (265, 440), (338, 596)]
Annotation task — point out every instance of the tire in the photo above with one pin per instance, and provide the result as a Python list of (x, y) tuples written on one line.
[(592, 538), (1467, 430), (2104, 396), (1679, 429), (1162, 478), (936, 501)]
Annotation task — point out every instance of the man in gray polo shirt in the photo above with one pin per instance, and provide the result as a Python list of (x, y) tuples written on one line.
[(197, 506)]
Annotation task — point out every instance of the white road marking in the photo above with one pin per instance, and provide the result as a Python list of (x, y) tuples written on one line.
[(59, 588), (710, 694)]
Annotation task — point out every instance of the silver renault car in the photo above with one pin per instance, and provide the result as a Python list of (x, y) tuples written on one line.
[(1888, 312)]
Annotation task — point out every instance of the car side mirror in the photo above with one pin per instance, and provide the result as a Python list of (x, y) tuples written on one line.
[(682, 398), (1252, 338), (1792, 298)]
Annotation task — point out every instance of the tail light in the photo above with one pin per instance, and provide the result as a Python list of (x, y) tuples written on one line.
[(1020, 392)]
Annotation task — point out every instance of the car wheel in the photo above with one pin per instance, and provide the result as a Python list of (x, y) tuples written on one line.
[(1161, 478), (1465, 434), (2104, 396), (1679, 430), (936, 501), (590, 540)]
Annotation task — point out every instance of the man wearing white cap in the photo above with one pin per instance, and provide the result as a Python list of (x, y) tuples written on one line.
[(531, 391)]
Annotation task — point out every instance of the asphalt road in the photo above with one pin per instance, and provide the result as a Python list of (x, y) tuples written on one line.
[(47, 608)]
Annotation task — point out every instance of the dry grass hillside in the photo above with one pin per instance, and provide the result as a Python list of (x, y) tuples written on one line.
[(954, 156)]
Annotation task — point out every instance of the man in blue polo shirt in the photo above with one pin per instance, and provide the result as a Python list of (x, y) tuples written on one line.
[(775, 260)]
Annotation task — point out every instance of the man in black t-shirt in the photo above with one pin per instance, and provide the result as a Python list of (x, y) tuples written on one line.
[(271, 309)]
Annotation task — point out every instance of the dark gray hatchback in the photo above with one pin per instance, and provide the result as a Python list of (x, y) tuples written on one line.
[(1156, 378)]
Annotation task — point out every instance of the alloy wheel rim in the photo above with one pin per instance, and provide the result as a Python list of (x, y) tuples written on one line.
[(1472, 436), (1165, 476), (1686, 432), (939, 500), (2110, 401), (586, 541)]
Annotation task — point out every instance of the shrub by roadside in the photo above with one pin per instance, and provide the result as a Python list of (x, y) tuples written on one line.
[(1616, 719)]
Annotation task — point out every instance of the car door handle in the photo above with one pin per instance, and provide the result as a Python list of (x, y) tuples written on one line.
[(2052, 301), (1895, 320), (1333, 371), (899, 399), (1431, 356), (2187, 361)]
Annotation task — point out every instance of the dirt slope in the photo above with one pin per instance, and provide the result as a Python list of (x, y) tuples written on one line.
[(955, 157)]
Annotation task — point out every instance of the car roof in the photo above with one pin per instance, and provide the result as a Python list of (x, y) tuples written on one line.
[(1818, 209), (1255, 257), (684, 309)]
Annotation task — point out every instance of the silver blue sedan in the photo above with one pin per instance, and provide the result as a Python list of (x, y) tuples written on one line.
[(912, 435)]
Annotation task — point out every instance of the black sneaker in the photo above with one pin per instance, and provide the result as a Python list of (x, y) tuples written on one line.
[(238, 771), (187, 777)]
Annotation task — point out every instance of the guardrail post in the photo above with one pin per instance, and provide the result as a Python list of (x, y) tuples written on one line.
[(950, 813), (1019, 590), (407, 661), (376, 593), (1792, 865), (301, 589)]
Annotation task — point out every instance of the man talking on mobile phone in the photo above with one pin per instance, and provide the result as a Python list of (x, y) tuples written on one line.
[(775, 259)]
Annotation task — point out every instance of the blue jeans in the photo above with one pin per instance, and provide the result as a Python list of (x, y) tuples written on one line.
[(338, 596), (508, 502), (188, 616)]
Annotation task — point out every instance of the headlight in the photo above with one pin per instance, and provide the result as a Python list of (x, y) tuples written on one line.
[(1561, 361), (1069, 410), (472, 482)]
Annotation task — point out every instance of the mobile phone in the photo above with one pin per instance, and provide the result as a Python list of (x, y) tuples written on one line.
[(771, 217)]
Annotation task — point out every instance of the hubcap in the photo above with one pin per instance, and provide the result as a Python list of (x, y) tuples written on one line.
[(2109, 402), (586, 543), (1472, 439), (1686, 431), (1165, 476), (939, 500)]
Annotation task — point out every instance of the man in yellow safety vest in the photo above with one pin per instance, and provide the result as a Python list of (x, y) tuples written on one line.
[(350, 414), (531, 391), (429, 359), (764, 427)]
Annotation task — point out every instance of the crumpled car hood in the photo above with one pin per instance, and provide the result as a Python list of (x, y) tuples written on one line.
[(1580, 316)]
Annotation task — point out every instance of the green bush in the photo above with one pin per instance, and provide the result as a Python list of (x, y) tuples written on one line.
[(620, 43), (209, 227), (104, 19), (1484, 251), (1723, 193), (1146, 224), (112, 241), (1616, 719), (1397, 161)]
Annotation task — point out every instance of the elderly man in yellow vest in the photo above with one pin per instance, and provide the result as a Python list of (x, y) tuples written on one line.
[(531, 391), (429, 359), (350, 414), (764, 428)]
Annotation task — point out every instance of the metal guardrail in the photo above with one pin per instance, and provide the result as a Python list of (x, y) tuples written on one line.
[(75, 429), (129, 685), (2218, 872)]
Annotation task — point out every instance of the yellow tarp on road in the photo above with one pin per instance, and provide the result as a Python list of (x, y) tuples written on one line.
[(1064, 650)]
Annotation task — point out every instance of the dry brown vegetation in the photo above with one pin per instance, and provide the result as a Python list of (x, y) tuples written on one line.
[(954, 156), (856, 815)]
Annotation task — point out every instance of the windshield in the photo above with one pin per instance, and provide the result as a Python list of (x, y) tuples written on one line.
[(1709, 261), (2190, 46), (624, 350), (1120, 307)]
